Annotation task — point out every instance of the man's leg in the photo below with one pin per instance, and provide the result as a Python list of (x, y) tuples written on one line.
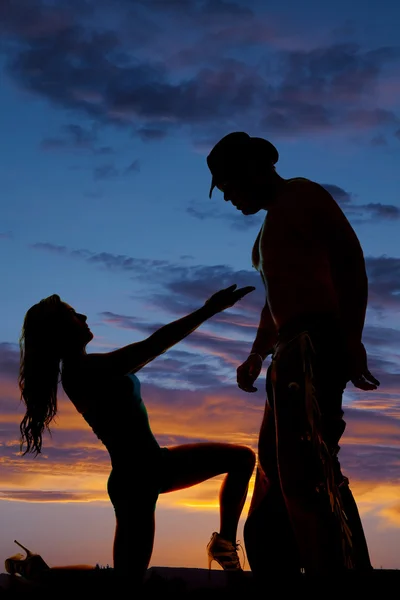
[(301, 466), (268, 535), (361, 557), (330, 393)]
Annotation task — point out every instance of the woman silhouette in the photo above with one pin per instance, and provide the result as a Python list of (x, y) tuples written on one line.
[(103, 387)]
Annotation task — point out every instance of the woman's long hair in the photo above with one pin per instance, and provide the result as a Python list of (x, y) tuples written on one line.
[(40, 357)]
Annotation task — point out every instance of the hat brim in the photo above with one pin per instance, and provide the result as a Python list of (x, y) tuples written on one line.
[(213, 185)]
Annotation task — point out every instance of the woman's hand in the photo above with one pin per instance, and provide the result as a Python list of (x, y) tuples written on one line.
[(227, 297)]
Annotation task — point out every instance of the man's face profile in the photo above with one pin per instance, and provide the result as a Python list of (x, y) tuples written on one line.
[(246, 193)]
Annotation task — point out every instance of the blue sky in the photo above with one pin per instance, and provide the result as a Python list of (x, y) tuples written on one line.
[(108, 110)]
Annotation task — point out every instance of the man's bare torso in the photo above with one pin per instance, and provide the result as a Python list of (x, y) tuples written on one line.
[(291, 254)]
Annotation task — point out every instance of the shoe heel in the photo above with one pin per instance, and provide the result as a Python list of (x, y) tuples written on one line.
[(210, 559), (29, 554)]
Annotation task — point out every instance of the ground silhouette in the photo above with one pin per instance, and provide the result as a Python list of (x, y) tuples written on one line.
[(163, 582)]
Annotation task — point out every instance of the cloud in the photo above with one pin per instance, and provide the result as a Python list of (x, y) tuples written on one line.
[(75, 465), (226, 338), (380, 211), (123, 321), (52, 496), (191, 392), (117, 262), (191, 374), (114, 76), (148, 134), (76, 137), (9, 360), (382, 337), (319, 89), (53, 248), (31, 19), (197, 281), (379, 140), (384, 282), (224, 341), (341, 196), (210, 353), (194, 10), (235, 220), (371, 213), (134, 167), (110, 171), (186, 369)]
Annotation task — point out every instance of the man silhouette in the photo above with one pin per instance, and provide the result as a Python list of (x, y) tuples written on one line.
[(302, 514)]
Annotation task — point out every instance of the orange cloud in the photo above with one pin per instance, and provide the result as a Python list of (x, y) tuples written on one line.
[(381, 500), (75, 465), (206, 416)]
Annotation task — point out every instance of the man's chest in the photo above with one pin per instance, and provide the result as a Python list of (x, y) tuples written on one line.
[(282, 245), (266, 245)]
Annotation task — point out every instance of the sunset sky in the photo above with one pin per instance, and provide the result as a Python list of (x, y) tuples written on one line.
[(108, 110)]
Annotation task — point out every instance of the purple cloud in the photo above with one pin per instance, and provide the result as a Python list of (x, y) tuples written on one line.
[(74, 138), (372, 213), (9, 360), (129, 78), (148, 134), (193, 282)]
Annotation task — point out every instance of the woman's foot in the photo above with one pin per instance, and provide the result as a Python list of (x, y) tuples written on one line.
[(223, 552), (32, 566)]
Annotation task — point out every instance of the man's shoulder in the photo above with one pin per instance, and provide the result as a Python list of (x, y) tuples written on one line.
[(311, 198), (306, 185), (300, 192), (307, 192)]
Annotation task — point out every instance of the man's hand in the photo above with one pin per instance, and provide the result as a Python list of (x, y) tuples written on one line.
[(360, 376), (247, 372)]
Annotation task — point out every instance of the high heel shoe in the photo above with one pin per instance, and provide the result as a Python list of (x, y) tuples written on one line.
[(31, 566), (224, 553)]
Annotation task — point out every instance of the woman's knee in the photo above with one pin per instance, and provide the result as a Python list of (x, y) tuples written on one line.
[(127, 502), (128, 509), (247, 458)]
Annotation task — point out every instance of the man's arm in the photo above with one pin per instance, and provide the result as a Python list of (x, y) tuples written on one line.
[(351, 283), (266, 334), (263, 344), (349, 276), (348, 272)]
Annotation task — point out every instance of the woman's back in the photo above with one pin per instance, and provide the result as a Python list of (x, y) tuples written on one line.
[(113, 407)]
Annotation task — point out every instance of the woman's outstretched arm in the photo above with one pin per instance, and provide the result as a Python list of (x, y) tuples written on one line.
[(134, 357)]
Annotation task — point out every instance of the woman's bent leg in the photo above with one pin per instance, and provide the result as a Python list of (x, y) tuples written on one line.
[(191, 464)]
